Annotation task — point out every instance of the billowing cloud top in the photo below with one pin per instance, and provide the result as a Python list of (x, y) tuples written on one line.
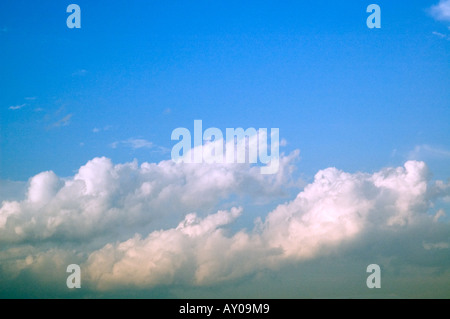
[(160, 224)]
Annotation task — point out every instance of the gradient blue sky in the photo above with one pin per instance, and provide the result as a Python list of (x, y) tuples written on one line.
[(345, 95)]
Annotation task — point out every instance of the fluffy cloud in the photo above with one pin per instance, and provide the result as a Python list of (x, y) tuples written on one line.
[(105, 197), (164, 256), (106, 219), (336, 208), (441, 11)]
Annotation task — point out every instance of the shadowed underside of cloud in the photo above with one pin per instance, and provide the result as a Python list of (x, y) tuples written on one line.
[(109, 219)]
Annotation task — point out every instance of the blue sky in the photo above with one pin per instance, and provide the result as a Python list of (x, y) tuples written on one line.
[(345, 95), (77, 106)]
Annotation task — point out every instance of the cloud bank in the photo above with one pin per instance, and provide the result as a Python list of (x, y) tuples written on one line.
[(161, 224)]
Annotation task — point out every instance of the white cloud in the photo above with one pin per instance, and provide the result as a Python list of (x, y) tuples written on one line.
[(165, 256), (134, 143), (43, 187), (121, 223), (336, 207), (139, 143), (17, 107), (425, 151), (441, 35), (62, 122), (103, 196), (105, 128), (441, 11), (81, 72)]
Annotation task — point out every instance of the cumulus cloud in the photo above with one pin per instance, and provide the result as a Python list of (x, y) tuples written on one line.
[(250, 146), (441, 11), (83, 219), (336, 208), (103, 196), (166, 256)]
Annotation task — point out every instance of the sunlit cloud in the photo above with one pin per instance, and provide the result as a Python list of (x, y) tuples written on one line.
[(172, 231), (441, 11)]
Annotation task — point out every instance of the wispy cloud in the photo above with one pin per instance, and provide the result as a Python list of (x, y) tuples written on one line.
[(138, 143), (62, 122), (163, 150), (17, 107), (81, 72), (134, 143), (441, 35), (440, 245), (425, 151), (441, 11), (105, 128)]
